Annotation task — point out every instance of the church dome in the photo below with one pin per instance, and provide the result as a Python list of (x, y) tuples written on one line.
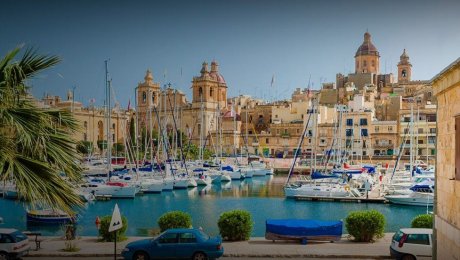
[(215, 75), (404, 56), (367, 48)]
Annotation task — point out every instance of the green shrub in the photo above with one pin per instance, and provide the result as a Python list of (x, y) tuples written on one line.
[(422, 221), (110, 236), (235, 225), (365, 226), (174, 219)]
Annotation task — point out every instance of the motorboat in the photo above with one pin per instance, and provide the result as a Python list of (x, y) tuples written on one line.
[(49, 216), (110, 189), (303, 230), (414, 199)]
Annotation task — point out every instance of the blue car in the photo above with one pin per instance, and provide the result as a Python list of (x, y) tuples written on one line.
[(176, 244)]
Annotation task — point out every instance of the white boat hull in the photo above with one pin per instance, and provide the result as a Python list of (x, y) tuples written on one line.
[(413, 199), (316, 191)]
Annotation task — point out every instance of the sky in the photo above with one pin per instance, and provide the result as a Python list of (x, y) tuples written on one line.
[(297, 42)]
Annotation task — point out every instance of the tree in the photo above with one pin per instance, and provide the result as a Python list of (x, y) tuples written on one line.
[(85, 147), (36, 144)]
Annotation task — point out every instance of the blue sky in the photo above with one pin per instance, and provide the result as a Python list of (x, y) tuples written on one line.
[(252, 40)]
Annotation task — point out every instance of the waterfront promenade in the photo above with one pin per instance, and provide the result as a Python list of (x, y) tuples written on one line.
[(254, 248)]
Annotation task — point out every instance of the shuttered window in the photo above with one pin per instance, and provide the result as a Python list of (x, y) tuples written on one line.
[(457, 148)]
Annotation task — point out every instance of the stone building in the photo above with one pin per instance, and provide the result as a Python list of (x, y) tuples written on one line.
[(446, 89), (92, 120)]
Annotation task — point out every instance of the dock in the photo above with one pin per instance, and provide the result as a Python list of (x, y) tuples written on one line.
[(342, 199)]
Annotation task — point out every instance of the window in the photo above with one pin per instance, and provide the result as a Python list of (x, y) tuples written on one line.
[(153, 97), (85, 124), (144, 97), (432, 130), (404, 73), (406, 130), (285, 131), (364, 63), (349, 132), (309, 140), (406, 119), (210, 92), (322, 141), (431, 139), (169, 238), (389, 141), (276, 116), (200, 91), (420, 130), (266, 141), (377, 129), (364, 132), (310, 132), (187, 238), (373, 63), (113, 138), (420, 239), (349, 122), (298, 131), (390, 128), (113, 126), (420, 141), (363, 121), (431, 118)]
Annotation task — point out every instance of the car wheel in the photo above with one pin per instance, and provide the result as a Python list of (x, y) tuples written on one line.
[(4, 256), (408, 257), (200, 256), (141, 256)]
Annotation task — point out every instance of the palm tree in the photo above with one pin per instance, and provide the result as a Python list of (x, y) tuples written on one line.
[(36, 144)]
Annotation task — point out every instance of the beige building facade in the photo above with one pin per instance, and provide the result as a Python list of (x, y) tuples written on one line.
[(446, 88)]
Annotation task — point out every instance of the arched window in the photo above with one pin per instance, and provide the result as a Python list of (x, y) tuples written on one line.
[(144, 97), (153, 97), (100, 130), (404, 73), (364, 63), (210, 92), (200, 91), (113, 125)]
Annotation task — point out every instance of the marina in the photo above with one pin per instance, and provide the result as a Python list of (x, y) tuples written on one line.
[(263, 197)]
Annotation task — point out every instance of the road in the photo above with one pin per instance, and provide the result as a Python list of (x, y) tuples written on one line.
[(222, 258)]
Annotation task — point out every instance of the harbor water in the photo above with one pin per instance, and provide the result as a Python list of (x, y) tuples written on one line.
[(263, 197)]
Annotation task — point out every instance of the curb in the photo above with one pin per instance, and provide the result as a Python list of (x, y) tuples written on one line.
[(236, 255)]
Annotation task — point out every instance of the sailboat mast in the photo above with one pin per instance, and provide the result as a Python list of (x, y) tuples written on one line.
[(108, 114)]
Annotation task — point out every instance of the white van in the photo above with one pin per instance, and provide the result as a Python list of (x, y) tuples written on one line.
[(13, 244), (412, 244)]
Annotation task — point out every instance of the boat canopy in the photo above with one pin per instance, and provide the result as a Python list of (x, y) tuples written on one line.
[(319, 175), (304, 227)]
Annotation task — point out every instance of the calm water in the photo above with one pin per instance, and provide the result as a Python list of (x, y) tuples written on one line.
[(262, 196)]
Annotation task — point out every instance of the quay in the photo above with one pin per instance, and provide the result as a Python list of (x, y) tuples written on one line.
[(52, 247), (342, 199)]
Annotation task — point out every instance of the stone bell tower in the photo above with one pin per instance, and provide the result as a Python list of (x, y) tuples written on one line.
[(404, 68), (147, 93)]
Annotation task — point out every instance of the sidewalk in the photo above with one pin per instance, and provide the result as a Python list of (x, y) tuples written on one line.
[(255, 247)]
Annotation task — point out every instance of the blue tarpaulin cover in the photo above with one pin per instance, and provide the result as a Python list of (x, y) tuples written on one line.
[(304, 227)]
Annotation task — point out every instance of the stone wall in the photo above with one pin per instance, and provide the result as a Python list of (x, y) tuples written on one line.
[(446, 86)]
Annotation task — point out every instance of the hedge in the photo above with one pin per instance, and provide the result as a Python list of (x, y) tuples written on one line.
[(235, 225), (365, 226), (174, 219)]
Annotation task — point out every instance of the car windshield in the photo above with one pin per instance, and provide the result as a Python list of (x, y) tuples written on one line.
[(18, 236), (398, 236)]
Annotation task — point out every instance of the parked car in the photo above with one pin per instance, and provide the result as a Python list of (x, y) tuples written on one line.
[(176, 244), (13, 244), (412, 243)]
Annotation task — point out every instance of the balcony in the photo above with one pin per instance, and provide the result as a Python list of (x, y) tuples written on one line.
[(255, 144), (285, 135), (382, 145)]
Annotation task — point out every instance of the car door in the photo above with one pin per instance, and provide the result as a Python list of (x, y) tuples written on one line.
[(419, 245), (188, 244), (166, 247)]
